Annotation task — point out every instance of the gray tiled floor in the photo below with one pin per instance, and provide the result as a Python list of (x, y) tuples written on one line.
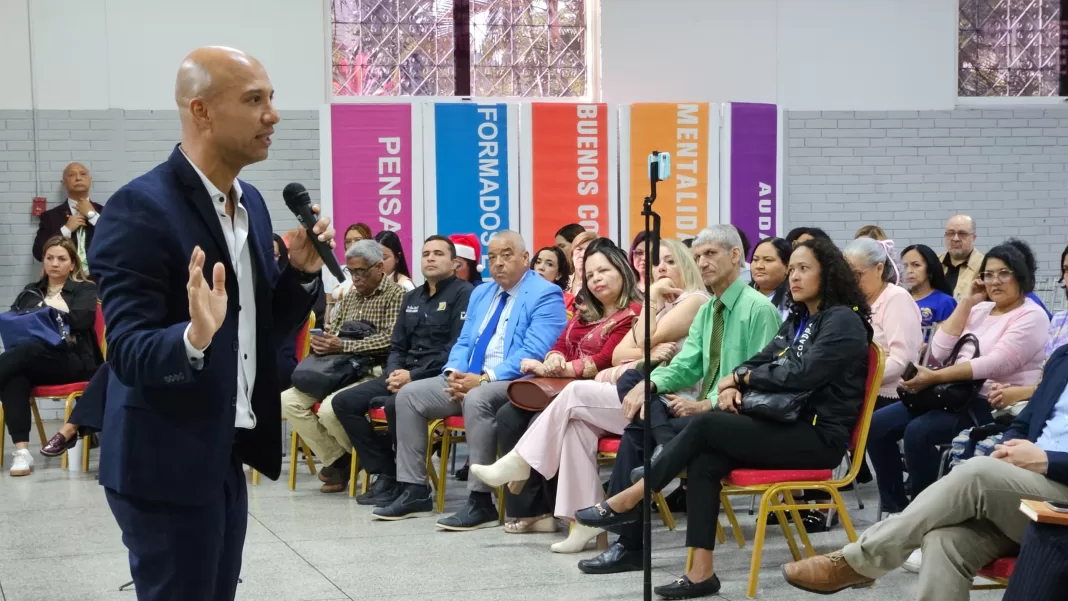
[(305, 546)]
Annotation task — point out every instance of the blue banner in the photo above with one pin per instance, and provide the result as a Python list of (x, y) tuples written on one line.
[(471, 158)]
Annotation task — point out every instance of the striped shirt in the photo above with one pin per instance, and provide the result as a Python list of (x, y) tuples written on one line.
[(380, 308), (495, 350)]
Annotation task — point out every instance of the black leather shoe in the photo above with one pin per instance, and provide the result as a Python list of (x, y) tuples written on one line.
[(639, 472), (614, 560), (472, 517), (416, 501), (379, 488), (602, 516), (684, 589), (386, 499)]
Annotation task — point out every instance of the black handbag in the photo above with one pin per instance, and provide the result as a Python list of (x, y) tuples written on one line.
[(782, 406), (952, 397), (319, 376)]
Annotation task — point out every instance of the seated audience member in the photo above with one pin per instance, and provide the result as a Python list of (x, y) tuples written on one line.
[(968, 518), (518, 316), (287, 351), (804, 234), (608, 306), (821, 348), (927, 283), (746, 274), (74, 220), (562, 442), (394, 263), (578, 251), (770, 259), (961, 261), (636, 258), (64, 287), (426, 329), (742, 321), (355, 233), (1041, 572), (871, 231), (468, 258), (86, 418), (553, 265), (1005, 395), (1012, 333), (565, 239), (895, 318), (376, 301)]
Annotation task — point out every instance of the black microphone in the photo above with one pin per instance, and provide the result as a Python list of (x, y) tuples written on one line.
[(298, 201)]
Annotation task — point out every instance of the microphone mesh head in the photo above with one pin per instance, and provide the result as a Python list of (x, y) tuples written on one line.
[(295, 194)]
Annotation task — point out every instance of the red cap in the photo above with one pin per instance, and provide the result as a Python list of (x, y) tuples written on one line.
[(467, 247)]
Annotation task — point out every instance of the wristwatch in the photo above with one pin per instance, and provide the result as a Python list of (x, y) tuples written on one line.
[(740, 373), (483, 379)]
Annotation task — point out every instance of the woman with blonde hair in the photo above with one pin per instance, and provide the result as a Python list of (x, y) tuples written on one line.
[(578, 251), (64, 287), (562, 441)]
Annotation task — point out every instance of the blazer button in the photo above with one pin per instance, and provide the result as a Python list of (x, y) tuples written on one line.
[(233, 401), (234, 347)]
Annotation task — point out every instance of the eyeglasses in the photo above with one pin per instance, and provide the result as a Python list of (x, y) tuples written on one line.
[(1003, 275), (637, 253), (950, 234), (361, 274)]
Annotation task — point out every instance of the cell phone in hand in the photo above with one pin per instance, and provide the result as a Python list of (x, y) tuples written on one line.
[(1058, 507), (910, 372), (316, 332)]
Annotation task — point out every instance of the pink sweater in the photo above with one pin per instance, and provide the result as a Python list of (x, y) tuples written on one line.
[(897, 323), (1012, 344)]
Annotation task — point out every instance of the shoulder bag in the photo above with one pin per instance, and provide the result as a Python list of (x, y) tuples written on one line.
[(535, 394), (952, 397), (30, 318)]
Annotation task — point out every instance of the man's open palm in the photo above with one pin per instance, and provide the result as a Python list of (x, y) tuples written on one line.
[(207, 306)]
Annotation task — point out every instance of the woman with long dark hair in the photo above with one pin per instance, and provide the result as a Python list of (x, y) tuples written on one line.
[(394, 263), (823, 348), (927, 283), (552, 264), (565, 238), (770, 261)]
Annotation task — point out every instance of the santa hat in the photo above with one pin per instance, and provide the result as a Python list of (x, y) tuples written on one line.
[(467, 247)]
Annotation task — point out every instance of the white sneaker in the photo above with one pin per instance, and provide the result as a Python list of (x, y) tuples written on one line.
[(22, 462), (912, 564)]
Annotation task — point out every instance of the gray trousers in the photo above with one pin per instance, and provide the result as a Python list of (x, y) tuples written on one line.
[(423, 401), (961, 522)]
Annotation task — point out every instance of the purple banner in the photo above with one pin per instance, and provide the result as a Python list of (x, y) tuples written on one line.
[(754, 152)]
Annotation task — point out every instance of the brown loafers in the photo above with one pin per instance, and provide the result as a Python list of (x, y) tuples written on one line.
[(824, 574), (57, 445)]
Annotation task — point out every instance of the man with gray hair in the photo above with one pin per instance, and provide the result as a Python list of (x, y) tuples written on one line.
[(517, 316), (961, 261), (375, 300), (734, 325)]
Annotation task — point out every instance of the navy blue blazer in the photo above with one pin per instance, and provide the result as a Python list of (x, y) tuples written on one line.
[(170, 428), (1033, 418)]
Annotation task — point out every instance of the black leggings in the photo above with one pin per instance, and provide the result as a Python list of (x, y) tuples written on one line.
[(28, 365), (715, 443), (538, 496)]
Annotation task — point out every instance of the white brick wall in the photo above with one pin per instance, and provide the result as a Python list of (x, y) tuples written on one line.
[(116, 146), (909, 170)]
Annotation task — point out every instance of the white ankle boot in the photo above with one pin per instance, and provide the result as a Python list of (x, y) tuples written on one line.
[(22, 463), (577, 540), (510, 468)]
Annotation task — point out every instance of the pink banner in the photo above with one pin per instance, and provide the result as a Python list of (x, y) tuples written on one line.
[(372, 169)]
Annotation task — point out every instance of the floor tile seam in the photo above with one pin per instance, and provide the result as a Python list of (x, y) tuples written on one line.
[(302, 558)]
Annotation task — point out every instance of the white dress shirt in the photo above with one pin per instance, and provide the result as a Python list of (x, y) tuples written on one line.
[(236, 231), (92, 217), (495, 350)]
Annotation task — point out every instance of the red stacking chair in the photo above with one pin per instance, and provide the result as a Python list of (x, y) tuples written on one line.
[(999, 571)]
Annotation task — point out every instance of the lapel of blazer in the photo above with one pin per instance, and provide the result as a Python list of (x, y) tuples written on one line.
[(513, 317), (198, 196)]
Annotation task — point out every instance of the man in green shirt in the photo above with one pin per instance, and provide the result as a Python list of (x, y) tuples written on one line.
[(729, 329)]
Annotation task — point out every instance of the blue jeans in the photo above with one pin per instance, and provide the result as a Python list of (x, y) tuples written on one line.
[(922, 434)]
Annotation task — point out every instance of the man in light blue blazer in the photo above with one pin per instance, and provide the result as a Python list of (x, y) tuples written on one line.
[(517, 316)]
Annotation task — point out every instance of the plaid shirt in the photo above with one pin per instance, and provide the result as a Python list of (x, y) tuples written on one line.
[(379, 308)]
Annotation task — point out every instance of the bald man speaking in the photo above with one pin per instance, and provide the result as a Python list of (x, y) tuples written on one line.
[(193, 391)]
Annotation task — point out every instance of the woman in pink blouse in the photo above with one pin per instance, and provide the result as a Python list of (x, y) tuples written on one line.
[(895, 318), (1011, 330)]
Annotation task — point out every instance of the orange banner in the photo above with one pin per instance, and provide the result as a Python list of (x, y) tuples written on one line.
[(682, 200), (570, 168)]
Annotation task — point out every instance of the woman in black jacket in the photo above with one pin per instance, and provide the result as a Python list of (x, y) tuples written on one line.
[(63, 286), (823, 348)]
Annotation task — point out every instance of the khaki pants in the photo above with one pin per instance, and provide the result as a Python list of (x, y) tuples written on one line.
[(322, 431), (962, 523)]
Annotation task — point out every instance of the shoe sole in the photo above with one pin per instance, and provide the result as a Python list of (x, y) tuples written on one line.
[(21, 473), (397, 518), (816, 592), (611, 570), (693, 595), (492, 524), (908, 567)]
